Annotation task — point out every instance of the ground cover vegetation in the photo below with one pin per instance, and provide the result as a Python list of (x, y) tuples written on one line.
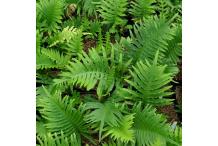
[(105, 71)]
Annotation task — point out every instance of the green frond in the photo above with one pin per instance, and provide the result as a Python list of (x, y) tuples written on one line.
[(123, 132), (63, 36), (149, 126), (103, 113), (59, 140), (141, 8), (41, 129), (75, 45), (60, 114), (43, 62), (88, 71), (148, 37), (70, 39), (174, 48), (59, 59), (176, 136), (150, 82), (90, 6), (38, 41), (113, 11), (51, 12)]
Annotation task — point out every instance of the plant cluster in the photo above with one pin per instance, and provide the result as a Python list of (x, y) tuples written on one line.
[(106, 94)]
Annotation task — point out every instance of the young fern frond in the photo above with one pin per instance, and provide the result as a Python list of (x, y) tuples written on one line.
[(103, 113), (150, 82), (75, 45), (50, 12), (69, 39), (63, 36), (141, 8), (60, 114), (148, 37), (59, 140), (113, 11), (88, 71)]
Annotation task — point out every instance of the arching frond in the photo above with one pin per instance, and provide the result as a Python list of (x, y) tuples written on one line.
[(148, 37), (88, 71), (60, 114), (51, 12), (150, 82), (60, 59), (149, 126)]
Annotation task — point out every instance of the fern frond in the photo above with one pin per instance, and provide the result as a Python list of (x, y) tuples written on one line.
[(56, 140), (148, 37), (63, 36), (89, 70), (43, 62), (41, 130), (106, 113), (174, 48), (150, 81), (50, 12), (60, 114), (123, 132), (113, 11), (176, 136), (149, 126), (75, 45), (60, 59), (90, 6), (141, 8)]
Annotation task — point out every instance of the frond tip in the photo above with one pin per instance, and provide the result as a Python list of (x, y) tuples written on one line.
[(150, 82)]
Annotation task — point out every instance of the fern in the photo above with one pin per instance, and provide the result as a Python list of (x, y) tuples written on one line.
[(105, 113), (149, 126), (51, 12), (113, 11), (89, 70), (90, 6), (141, 8), (123, 132), (174, 48), (150, 82), (55, 140), (176, 136), (43, 62), (148, 37), (60, 114), (60, 59), (63, 36)]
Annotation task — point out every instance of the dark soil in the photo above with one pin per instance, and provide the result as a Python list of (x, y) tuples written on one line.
[(89, 43), (170, 113)]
